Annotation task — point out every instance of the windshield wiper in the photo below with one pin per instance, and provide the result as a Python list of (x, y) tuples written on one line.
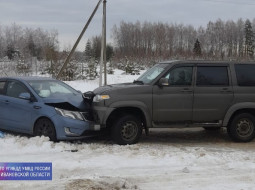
[(138, 82)]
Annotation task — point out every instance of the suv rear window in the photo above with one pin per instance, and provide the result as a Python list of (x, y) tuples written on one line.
[(212, 76), (245, 74)]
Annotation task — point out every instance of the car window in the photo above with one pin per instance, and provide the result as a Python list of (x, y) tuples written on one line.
[(55, 87), (2, 84), (181, 76), (245, 74), (51, 88), (14, 89), (152, 73), (212, 76)]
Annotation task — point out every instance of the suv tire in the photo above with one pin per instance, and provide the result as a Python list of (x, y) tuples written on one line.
[(242, 128), (126, 130)]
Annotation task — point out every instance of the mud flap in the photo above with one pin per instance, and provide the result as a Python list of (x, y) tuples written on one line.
[(146, 131)]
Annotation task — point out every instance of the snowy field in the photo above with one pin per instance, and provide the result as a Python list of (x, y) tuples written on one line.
[(168, 159)]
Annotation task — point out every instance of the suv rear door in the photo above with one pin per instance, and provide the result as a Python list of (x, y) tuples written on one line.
[(213, 92)]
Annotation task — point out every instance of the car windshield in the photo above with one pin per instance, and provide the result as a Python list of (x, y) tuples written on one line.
[(51, 88), (152, 73)]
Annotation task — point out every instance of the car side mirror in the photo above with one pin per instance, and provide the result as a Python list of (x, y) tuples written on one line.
[(25, 96), (163, 82)]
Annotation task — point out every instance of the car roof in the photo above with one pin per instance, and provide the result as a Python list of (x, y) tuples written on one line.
[(31, 78)]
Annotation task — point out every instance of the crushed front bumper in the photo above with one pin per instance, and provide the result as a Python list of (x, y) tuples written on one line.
[(71, 129)]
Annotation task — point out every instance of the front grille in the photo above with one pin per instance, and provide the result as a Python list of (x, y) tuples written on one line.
[(96, 117), (88, 116)]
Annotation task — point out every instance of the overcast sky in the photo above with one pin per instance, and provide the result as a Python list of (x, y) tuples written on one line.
[(68, 17)]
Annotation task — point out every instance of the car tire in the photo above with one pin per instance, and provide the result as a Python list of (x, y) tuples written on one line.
[(242, 128), (45, 127), (212, 128), (126, 130)]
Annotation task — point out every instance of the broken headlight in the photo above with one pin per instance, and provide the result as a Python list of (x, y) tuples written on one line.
[(70, 114)]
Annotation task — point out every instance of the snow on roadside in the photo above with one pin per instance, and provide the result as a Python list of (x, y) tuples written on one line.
[(90, 85), (99, 164)]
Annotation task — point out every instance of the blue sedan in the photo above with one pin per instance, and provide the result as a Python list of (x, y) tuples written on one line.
[(44, 107)]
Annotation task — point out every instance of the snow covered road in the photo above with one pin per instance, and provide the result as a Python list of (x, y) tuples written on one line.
[(167, 159)]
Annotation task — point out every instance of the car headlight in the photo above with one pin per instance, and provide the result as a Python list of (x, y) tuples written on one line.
[(99, 98), (70, 114)]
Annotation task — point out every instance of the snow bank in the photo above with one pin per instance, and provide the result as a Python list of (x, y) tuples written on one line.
[(90, 85), (99, 164)]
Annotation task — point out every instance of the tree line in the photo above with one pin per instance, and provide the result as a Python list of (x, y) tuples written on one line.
[(134, 46), (149, 42), (16, 41), (26, 50)]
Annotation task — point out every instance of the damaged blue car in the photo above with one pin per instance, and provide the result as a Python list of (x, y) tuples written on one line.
[(44, 107)]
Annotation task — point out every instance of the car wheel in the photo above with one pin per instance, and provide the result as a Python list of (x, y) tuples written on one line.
[(242, 128), (212, 128), (44, 127), (126, 130)]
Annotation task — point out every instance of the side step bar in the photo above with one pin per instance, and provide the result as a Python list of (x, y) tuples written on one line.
[(185, 125)]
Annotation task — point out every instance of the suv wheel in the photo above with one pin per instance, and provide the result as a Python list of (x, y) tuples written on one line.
[(242, 128), (127, 130)]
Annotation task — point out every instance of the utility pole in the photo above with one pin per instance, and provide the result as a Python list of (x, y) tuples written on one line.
[(103, 49), (78, 40)]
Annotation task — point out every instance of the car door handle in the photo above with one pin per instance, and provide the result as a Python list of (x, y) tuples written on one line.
[(225, 90), (37, 107), (186, 90), (6, 102)]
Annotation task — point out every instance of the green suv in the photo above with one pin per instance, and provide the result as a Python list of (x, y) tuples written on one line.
[(177, 94)]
